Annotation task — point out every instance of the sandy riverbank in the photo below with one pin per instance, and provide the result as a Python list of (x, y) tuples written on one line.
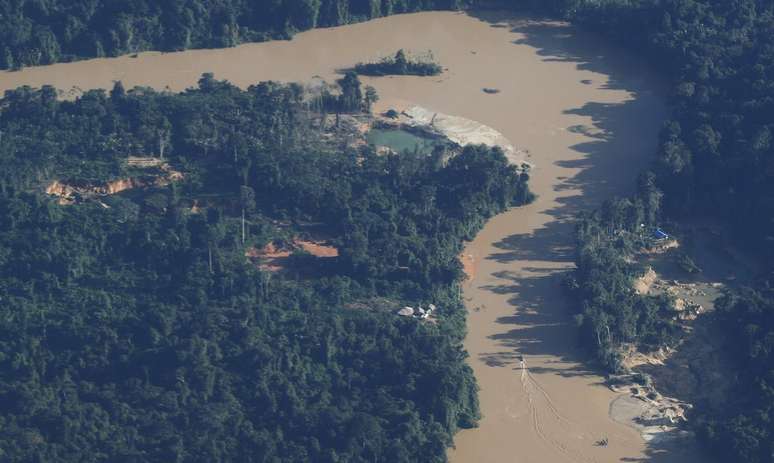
[(458, 130), (589, 117)]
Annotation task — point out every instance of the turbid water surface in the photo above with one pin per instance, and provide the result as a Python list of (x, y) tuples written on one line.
[(588, 115)]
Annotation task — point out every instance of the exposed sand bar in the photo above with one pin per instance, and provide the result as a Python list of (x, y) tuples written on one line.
[(589, 117), (460, 130)]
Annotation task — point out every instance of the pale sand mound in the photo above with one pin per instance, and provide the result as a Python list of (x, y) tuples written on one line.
[(461, 131), (632, 358), (642, 284), (654, 420)]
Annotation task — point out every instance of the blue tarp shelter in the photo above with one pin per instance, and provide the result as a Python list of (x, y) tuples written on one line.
[(660, 234)]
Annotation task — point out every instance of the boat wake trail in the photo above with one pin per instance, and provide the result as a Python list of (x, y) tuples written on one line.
[(543, 412)]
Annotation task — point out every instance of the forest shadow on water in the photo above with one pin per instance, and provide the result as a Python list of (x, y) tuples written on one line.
[(541, 325), (603, 169)]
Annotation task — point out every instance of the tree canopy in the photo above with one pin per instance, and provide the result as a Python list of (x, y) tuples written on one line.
[(134, 328)]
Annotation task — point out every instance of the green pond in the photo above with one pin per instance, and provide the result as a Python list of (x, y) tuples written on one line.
[(401, 140)]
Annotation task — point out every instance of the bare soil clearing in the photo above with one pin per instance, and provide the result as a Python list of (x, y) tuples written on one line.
[(69, 193), (695, 369), (274, 258)]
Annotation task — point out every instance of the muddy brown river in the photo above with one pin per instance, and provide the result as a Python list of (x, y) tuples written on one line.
[(589, 117)]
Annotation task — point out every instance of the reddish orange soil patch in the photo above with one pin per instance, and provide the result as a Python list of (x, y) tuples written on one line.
[(273, 259), (317, 248), (269, 258), (67, 193)]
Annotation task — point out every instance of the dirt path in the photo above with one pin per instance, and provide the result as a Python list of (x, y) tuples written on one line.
[(588, 116)]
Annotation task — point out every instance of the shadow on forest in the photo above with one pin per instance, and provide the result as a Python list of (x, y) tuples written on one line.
[(541, 324)]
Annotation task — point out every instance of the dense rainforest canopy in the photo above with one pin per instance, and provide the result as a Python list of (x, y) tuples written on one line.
[(716, 159), (134, 328)]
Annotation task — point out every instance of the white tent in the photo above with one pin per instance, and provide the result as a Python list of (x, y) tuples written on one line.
[(406, 312)]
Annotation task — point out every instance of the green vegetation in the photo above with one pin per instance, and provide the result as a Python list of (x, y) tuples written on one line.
[(134, 328), (743, 428), (401, 65), (138, 332), (716, 160), (611, 313)]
